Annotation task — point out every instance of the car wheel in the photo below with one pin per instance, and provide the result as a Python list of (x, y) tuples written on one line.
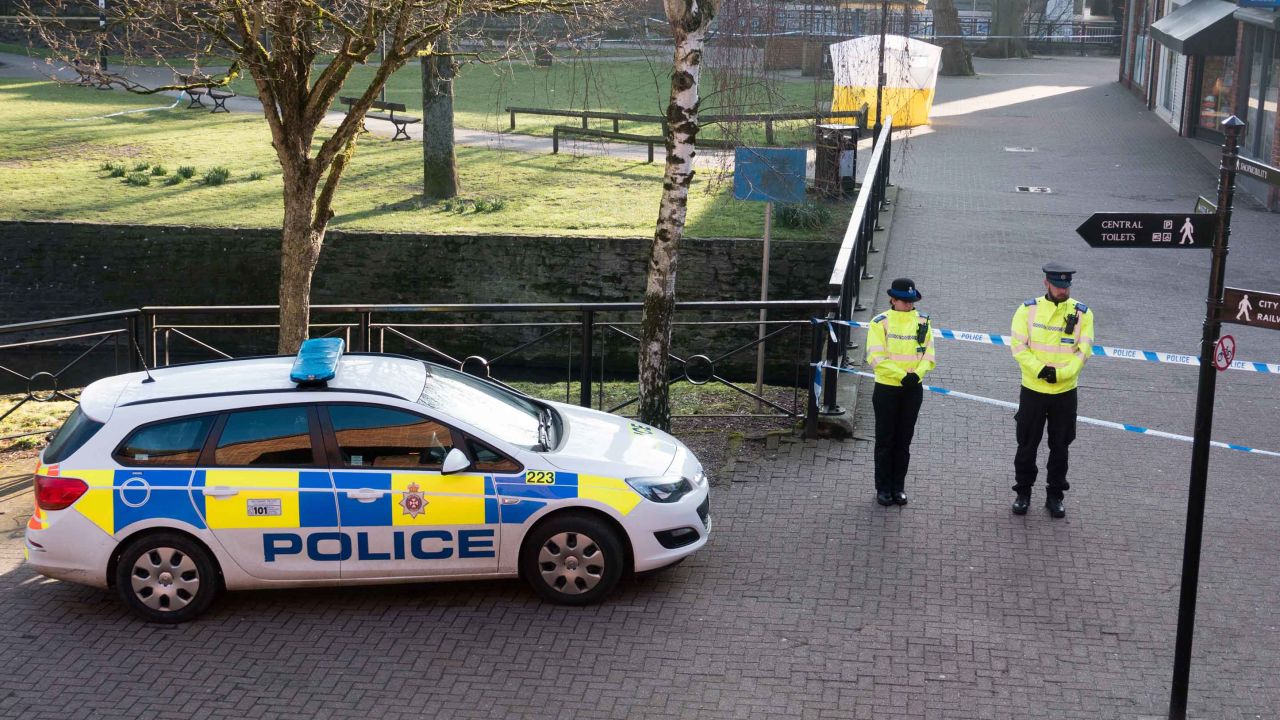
[(166, 577), (572, 559)]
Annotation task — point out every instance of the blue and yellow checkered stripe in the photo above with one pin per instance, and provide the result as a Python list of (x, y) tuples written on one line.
[(120, 498)]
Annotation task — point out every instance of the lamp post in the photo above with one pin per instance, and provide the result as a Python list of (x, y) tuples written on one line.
[(102, 35), (884, 26)]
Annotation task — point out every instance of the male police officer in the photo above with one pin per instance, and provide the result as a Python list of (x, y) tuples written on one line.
[(1052, 339), (900, 349)]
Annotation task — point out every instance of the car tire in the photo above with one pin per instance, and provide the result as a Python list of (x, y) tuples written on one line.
[(166, 577), (572, 559)]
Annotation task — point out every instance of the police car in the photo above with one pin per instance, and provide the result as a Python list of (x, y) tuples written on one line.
[(334, 468)]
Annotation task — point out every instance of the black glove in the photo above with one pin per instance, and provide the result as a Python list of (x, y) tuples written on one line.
[(911, 380), (1049, 374)]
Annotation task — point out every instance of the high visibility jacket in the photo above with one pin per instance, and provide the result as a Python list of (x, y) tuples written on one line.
[(899, 343), (1040, 338)]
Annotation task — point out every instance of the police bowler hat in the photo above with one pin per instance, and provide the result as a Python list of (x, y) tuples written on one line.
[(904, 289)]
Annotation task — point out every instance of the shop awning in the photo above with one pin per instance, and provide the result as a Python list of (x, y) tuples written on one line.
[(1269, 19), (1201, 27)]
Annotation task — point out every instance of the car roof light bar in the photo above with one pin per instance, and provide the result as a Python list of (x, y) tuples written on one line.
[(317, 361)]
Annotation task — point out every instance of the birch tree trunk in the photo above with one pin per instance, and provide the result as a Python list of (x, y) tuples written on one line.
[(956, 59), (689, 22)]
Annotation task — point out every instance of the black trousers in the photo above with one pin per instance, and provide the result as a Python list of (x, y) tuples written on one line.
[(896, 411), (1034, 409)]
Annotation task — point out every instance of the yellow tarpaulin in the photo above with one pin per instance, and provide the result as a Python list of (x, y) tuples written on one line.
[(911, 73)]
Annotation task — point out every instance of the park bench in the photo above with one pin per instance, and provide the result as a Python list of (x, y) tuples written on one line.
[(218, 96), (91, 75), (401, 122), (559, 130)]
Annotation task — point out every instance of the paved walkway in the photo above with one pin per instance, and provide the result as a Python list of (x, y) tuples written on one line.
[(811, 601)]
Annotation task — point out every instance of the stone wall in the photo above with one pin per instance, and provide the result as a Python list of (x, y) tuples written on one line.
[(53, 269)]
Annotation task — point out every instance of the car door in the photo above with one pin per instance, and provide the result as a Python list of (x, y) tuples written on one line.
[(266, 495), (405, 518)]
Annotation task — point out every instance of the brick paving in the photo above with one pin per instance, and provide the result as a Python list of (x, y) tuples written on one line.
[(811, 601)]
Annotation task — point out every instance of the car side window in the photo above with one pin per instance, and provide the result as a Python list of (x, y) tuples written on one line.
[(486, 460), (175, 443), (269, 437), (377, 437)]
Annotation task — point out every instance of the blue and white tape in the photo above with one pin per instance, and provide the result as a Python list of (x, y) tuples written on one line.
[(1099, 350), (1087, 420)]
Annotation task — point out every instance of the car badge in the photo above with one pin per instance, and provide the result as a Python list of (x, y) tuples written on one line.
[(413, 502)]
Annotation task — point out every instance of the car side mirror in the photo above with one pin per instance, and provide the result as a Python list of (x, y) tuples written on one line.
[(455, 461)]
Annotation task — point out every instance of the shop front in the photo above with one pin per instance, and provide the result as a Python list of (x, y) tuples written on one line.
[(1259, 90), (1204, 32)]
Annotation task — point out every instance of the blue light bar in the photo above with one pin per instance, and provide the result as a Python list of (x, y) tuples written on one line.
[(317, 361)]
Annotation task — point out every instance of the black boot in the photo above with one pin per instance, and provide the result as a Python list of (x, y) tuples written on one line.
[(900, 498), (1055, 507), (1020, 504), (884, 497)]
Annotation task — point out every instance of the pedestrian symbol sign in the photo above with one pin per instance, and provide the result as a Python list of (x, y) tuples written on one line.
[(1251, 307), (1182, 230)]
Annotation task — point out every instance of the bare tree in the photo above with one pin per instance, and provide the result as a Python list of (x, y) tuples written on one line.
[(956, 59), (299, 54), (689, 20), (1007, 39)]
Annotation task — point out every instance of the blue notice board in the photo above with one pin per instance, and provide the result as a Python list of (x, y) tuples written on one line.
[(769, 174), (1265, 4)]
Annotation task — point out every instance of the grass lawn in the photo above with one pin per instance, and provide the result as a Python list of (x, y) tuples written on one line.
[(51, 167), (638, 85)]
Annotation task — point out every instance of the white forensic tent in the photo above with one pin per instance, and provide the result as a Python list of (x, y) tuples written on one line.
[(911, 73)]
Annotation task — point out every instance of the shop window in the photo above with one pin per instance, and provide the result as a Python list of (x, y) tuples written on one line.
[(1217, 92)]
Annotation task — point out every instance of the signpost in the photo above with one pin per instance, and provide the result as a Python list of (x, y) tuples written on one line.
[(1198, 230), (1205, 205), (1259, 171), (1179, 230), (1251, 307), (769, 175)]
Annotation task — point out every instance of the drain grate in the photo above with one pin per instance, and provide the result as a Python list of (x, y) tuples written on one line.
[(1033, 189), (1019, 149)]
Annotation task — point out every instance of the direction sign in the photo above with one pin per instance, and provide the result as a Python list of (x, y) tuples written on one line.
[(1205, 205), (1258, 171), (1251, 307), (1183, 230), (1225, 353)]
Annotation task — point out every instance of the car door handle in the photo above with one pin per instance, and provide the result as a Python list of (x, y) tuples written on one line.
[(364, 494), (220, 491)]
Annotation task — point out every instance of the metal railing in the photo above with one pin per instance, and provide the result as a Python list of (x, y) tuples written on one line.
[(513, 340), (850, 268)]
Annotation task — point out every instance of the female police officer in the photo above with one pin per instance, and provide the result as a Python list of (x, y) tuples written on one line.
[(900, 349)]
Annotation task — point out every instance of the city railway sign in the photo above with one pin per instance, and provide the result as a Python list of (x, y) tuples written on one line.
[(1161, 230), (1251, 307)]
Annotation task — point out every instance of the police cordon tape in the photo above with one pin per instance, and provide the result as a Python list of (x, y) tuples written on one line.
[(1099, 350), (817, 386)]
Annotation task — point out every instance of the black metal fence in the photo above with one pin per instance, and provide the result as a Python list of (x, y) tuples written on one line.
[(850, 268), (582, 345)]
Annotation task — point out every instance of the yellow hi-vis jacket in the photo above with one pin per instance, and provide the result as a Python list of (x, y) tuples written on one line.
[(1040, 338), (899, 343)]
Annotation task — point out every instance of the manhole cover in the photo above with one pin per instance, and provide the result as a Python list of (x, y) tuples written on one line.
[(1019, 149), (1033, 189)]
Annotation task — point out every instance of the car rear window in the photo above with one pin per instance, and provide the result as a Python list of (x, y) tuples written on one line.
[(386, 438), (74, 433), (174, 443), (271, 437)]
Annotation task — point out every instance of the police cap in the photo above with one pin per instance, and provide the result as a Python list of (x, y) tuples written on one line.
[(1058, 275)]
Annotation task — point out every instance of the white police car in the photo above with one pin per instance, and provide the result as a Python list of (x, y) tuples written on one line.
[(337, 468)]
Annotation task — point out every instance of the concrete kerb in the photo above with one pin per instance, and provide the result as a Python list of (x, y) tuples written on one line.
[(842, 425)]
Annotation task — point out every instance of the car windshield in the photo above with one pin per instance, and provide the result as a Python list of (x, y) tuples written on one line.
[(508, 416)]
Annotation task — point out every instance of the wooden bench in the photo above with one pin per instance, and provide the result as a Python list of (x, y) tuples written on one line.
[(91, 75), (400, 121), (217, 95), (559, 130)]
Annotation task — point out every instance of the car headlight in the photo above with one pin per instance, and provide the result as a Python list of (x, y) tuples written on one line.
[(665, 489), (700, 480)]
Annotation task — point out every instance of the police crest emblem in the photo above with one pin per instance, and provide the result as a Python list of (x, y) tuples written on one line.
[(412, 502)]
